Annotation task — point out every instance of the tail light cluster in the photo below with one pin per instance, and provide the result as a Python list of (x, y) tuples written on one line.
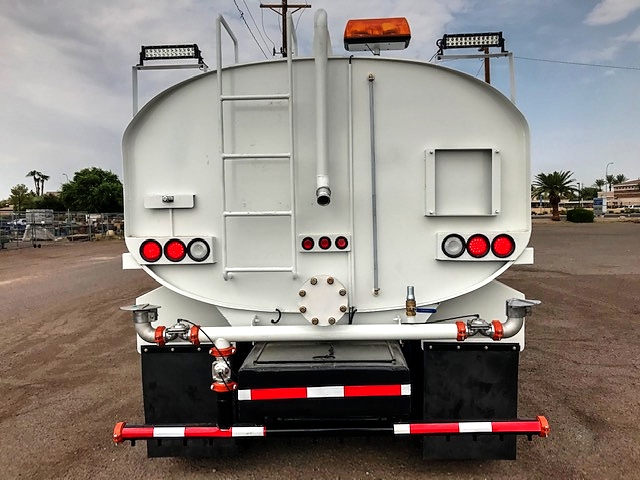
[(324, 243), (478, 246), (160, 251)]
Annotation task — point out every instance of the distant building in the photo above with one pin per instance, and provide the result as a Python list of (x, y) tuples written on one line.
[(624, 194)]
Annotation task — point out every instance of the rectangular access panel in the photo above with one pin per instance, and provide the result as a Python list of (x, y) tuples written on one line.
[(473, 382), (307, 381)]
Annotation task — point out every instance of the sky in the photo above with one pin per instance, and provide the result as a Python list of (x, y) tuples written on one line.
[(65, 71)]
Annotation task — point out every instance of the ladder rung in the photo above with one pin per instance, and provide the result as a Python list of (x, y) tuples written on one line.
[(272, 213), (255, 155), (272, 96)]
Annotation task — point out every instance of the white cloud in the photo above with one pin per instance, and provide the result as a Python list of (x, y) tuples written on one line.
[(611, 11)]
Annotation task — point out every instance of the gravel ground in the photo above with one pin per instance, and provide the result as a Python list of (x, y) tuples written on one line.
[(69, 371)]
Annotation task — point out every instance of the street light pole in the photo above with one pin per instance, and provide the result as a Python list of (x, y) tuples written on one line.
[(606, 173), (580, 193)]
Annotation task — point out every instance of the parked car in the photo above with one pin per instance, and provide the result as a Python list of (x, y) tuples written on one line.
[(19, 224)]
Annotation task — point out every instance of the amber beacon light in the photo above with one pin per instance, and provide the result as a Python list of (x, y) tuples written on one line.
[(375, 34)]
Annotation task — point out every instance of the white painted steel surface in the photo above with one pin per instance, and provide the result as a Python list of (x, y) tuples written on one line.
[(173, 145)]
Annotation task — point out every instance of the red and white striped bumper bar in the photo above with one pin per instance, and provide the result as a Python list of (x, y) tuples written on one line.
[(539, 427)]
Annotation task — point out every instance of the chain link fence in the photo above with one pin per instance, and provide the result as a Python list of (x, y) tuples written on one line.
[(35, 228)]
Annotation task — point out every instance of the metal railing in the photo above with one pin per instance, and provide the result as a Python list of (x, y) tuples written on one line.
[(19, 229)]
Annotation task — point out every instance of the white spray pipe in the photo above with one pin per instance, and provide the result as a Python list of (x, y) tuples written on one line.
[(321, 51), (300, 333)]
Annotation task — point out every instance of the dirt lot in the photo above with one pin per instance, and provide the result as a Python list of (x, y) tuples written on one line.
[(69, 371)]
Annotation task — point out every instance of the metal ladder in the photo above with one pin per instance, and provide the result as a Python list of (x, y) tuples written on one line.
[(228, 271)]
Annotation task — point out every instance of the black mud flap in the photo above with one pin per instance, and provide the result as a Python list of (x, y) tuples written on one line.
[(470, 382), (176, 384)]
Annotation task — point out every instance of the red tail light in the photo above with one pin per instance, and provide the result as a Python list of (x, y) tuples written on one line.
[(150, 251), (324, 243), (342, 243), (175, 250), (503, 245), (478, 245), (308, 243)]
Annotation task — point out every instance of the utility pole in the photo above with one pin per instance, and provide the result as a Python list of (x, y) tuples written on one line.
[(281, 9), (487, 68)]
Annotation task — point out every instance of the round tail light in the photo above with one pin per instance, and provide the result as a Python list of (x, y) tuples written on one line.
[(503, 245), (342, 243), (478, 245), (308, 243), (175, 250), (453, 245), (324, 243), (150, 251), (198, 250)]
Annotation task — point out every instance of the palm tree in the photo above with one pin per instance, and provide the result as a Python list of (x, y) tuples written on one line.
[(620, 178), (556, 185), (599, 183), (36, 179), (43, 178), (610, 179)]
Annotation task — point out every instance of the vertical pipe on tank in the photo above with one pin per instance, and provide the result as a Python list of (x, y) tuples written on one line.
[(320, 53), (291, 48), (352, 271), (374, 208), (134, 86)]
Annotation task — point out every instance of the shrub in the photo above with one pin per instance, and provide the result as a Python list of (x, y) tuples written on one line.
[(580, 215)]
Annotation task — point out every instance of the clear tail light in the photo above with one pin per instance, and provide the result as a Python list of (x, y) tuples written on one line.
[(198, 250), (453, 245)]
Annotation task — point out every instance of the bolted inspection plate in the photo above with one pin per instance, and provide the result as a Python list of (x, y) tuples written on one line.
[(324, 301)]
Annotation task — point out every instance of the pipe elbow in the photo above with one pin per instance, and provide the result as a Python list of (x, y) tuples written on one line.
[(146, 332), (509, 328)]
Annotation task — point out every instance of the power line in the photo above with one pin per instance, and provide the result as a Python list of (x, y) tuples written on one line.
[(300, 16), (249, 28), (600, 65), (265, 31), (256, 25)]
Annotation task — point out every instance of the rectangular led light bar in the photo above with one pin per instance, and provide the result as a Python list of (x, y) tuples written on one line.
[(472, 40), (170, 52)]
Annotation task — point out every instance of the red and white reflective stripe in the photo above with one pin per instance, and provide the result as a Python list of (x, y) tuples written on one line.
[(140, 433), (539, 426), (334, 391)]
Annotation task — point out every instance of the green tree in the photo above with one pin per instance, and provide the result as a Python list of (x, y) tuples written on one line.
[(43, 178), (36, 180), (589, 193), (599, 183), (620, 178), (51, 202), (610, 179), (93, 190), (21, 198), (556, 185)]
